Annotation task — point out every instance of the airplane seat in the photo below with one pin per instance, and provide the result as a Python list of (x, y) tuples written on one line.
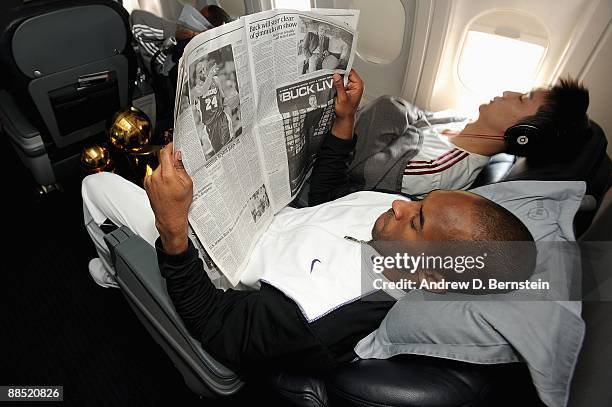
[(163, 85), (138, 276), (67, 68), (405, 380), (421, 381), (509, 167), (590, 164), (498, 167), (589, 385)]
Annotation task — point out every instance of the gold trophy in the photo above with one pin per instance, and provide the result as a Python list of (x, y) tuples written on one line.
[(130, 130), (96, 158), (129, 133)]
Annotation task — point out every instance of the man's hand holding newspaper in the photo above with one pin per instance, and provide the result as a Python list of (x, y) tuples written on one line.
[(347, 102), (170, 193)]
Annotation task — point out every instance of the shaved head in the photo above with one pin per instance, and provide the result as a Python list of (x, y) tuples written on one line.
[(476, 224), (495, 223), (449, 215)]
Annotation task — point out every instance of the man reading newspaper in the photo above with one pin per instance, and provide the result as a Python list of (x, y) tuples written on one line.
[(271, 327), (249, 123)]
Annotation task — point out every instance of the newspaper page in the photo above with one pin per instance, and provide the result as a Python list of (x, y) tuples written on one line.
[(214, 120), (254, 99), (294, 55), (349, 17)]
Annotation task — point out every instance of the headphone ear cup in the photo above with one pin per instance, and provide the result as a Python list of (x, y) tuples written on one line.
[(521, 138)]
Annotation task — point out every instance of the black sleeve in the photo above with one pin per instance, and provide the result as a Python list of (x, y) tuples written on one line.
[(330, 177), (245, 330)]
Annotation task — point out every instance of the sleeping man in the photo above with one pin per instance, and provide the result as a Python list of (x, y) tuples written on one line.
[(452, 151), (306, 253)]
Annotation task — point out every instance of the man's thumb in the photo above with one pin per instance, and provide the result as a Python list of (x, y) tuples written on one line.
[(340, 91)]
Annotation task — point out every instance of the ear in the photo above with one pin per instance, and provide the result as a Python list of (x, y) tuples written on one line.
[(431, 276)]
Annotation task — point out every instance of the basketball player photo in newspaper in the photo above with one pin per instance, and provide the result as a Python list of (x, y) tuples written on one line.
[(322, 46), (307, 108), (213, 90)]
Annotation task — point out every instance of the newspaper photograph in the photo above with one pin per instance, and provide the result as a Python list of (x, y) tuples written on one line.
[(255, 98), (322, 45), (213, 90), (307, 108)]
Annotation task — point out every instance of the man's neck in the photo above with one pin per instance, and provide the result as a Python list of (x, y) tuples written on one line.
[(476, 144)]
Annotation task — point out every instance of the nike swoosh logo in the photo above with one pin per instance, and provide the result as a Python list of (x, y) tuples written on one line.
[(313, 263)]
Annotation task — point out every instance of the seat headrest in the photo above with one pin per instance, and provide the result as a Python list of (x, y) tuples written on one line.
[(50, 36)]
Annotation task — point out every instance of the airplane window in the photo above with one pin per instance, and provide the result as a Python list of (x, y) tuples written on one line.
[(294, 4), (501, 52), (381, 30)]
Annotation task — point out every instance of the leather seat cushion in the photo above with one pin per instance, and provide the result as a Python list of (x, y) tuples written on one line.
[(409, 381)]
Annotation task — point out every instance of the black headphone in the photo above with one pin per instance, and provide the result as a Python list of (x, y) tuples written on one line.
[(520, 139)]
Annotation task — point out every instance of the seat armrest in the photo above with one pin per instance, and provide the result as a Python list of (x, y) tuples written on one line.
[(140, 280), (18, 127), (115, 238)]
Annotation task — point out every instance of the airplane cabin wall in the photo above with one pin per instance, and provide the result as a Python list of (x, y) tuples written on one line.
[(558, 17), (384, 44)]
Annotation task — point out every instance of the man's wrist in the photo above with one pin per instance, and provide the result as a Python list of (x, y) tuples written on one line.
[(174, 240), (174, 244), (343, 128)]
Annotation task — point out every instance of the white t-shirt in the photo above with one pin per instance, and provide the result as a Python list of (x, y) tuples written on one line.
[(440, 164), (304, 253)]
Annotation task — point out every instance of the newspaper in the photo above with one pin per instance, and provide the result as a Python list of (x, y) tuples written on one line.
[(254, 99)]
